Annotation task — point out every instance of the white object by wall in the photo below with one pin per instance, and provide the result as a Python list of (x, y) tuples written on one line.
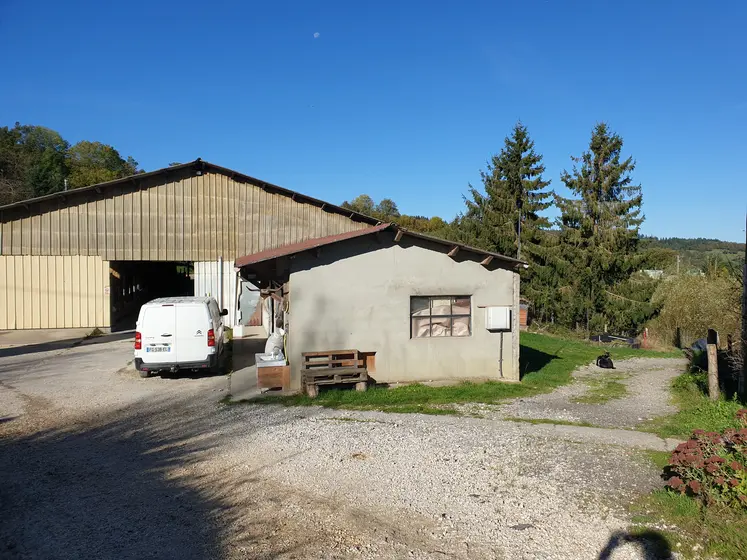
[(218, 279), (498, 318)]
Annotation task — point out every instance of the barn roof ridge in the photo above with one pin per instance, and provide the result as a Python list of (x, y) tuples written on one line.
[(199, 165)]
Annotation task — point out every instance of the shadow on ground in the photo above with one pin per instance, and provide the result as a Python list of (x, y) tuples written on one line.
[(651, 544), (531, 360), (244, 350), (62, 344), (130, 487)]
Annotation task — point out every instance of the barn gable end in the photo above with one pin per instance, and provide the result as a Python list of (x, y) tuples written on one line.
[(176, 214)]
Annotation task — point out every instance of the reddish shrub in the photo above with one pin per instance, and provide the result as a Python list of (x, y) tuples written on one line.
[(712, 466)]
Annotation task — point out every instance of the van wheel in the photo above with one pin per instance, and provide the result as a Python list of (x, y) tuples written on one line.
[(144, 374)]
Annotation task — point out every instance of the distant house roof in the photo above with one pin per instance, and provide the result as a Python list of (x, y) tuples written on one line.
[(655, 274), (199, 166), (295, 248)]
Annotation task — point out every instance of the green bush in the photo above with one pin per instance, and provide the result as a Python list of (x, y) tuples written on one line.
[(713, 466), (690, 305)]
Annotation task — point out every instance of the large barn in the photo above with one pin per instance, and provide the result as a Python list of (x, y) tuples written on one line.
[(90, 257)]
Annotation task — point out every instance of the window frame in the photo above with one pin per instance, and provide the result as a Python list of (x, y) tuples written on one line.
[(451, 315)]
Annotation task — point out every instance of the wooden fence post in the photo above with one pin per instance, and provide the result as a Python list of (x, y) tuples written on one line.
[(713, 391)]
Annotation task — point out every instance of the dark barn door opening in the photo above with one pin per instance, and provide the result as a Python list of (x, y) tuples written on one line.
[(133, 283)]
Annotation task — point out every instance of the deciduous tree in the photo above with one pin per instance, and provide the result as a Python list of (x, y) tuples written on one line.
[(94, 162)]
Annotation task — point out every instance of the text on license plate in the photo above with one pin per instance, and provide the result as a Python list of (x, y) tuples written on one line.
[(158, 349)]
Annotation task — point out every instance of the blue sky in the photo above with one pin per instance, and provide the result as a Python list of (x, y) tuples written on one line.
[(405, 100)]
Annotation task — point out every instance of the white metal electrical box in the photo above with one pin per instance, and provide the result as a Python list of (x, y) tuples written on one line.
[(498, 318)]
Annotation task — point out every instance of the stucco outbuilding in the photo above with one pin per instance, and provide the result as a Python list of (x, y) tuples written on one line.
[(418, 308)]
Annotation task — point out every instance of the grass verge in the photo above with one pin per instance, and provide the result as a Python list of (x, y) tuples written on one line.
[(546, 363), (603, 390), (700, 532), (659, 458), (696, 410), (692, 530)]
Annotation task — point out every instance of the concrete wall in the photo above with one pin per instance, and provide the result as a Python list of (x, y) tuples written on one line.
[(54, 292), (356, 295)]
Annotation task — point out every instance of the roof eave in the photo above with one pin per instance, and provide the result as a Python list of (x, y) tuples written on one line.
[(462, 246), (311, 244)]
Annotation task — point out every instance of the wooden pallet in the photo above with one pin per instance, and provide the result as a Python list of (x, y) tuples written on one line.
[(331, 368)]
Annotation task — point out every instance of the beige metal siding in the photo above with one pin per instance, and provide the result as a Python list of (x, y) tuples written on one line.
[(178, 218), (53, 292)]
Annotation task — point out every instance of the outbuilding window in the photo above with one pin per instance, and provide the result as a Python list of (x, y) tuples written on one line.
[(432, 316)]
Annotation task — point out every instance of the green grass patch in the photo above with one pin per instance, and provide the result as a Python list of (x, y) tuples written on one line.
[(95, 333), (696, 410), (548, 421), (546, 363), (714, 531), (602, 390), (659, 458)]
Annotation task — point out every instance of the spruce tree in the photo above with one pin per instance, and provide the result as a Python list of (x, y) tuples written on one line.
[(599, 228), (507, 217)]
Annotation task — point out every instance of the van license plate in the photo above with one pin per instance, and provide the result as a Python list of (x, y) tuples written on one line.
[(158, 349)]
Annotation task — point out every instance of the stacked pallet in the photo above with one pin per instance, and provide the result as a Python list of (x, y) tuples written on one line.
[(333, 367)]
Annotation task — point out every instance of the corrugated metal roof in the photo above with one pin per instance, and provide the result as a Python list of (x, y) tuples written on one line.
[(295, 248), (196, 166)]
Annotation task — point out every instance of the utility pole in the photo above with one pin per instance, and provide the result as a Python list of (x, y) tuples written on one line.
[(743, 377)]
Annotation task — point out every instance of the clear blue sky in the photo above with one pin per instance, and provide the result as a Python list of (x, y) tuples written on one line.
[(405, 100)]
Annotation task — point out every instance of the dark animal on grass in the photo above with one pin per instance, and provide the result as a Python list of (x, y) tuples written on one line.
[(604, 361)]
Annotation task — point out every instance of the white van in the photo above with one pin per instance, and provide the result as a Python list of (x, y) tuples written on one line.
[(179, 333)]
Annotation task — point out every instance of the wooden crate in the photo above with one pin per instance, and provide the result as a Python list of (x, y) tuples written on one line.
[(273, 377)]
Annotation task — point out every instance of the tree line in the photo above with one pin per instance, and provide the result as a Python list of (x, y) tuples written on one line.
[(585, 266), (35, 161)]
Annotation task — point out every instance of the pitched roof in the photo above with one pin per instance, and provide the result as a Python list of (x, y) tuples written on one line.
[(295, 248), (199, 166)]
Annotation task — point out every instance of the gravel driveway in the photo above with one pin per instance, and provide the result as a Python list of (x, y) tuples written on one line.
[(647, 382), (98, 463)]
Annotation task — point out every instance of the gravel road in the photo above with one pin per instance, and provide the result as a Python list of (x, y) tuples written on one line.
[(647, 381), (98, 463)]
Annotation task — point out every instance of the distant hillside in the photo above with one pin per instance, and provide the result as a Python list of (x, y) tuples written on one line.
[(698, 253)]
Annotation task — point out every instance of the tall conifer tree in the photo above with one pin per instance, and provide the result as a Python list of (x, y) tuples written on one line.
[(599, 228), (506, 219)]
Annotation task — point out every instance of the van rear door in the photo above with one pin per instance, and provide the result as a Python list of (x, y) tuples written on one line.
[(158, 332), (192, 325)]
